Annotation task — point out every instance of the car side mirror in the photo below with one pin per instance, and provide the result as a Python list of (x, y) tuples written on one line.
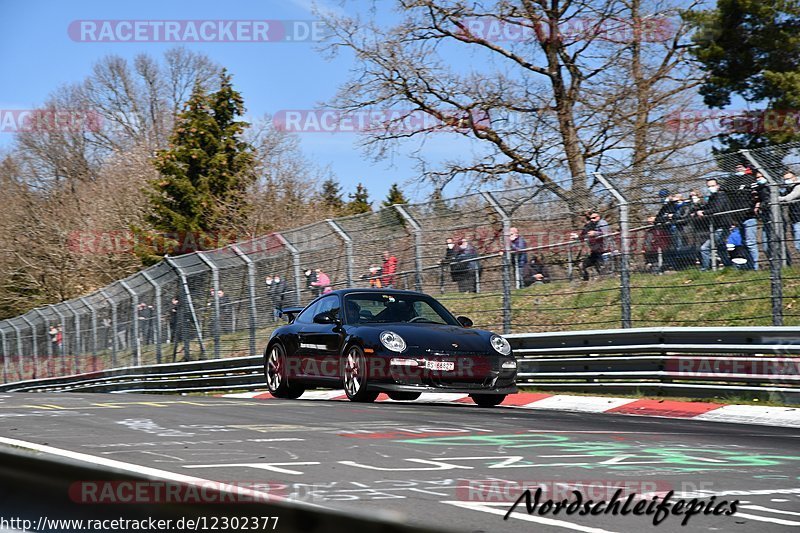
[(464, 321), (323, 318)]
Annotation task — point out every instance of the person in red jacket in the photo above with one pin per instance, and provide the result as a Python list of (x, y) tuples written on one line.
[(388, 270)]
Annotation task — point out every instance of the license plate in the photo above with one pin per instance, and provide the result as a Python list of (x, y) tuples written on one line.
[(440, 365)]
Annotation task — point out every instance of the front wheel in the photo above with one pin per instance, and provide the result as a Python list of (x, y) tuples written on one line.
[(488, 400), (354, 376), (401, 396), (276, 374)]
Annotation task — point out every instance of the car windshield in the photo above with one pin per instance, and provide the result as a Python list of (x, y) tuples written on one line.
[(378, 308)]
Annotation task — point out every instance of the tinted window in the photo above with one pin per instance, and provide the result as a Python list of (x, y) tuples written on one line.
[(329, 304), (307, 316), (370, 308)]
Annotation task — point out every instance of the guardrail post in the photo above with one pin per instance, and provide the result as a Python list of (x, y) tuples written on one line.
[(76, 322), (775, 244), (4, 345), (215, 287), (507, 259), (114, 338), (417, 231), (20, 365), (62, 348), (137, 345), (188, 294), (157, 296), (251, 292), (93, 314), (348, 248), (298, 279), (34, 345), (624, 275)]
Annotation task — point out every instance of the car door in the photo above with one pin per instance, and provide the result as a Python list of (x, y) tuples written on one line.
[(304, 362), (321, 341)]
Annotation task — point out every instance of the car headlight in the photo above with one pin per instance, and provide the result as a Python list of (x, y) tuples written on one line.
[(500, 345), (392, 341)]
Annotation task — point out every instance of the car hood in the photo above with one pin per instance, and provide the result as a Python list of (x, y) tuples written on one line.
[(437, 337)]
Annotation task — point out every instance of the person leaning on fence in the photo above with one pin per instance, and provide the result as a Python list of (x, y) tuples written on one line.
[(388, 269), (716, 203), (323, 282), (791, 197), (534, 272), (465, 267), (594, 233)]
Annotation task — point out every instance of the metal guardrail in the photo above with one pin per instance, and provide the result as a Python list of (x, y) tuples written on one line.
[(667, 361)]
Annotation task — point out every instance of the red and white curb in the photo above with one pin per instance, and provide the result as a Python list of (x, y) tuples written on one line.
[(713, 412)]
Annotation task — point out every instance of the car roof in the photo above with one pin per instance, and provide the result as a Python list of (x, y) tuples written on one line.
[(374, 290)]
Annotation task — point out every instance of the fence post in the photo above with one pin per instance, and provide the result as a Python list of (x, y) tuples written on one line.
[(76, 321), (34, 345), (20, 365), (624, 226), (217, 327), (417, 231), (4, 345), (93, 314), (187, 293), (298, 281), (506, 259), (775, 243), (251, 289), (137, 345), (348, 248), (63, 325), (114, 338), (157, 296)]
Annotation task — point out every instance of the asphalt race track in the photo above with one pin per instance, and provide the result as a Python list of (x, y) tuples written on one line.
[(430, 463)]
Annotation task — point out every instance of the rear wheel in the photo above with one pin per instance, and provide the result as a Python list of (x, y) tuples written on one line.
[(401, 396), (488, 400), (354, 376), (276, 374)]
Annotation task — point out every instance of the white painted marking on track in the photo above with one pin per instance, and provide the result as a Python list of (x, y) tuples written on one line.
[(770, 519), (769, 510), (273, 467), (145, 470), (486, 508)]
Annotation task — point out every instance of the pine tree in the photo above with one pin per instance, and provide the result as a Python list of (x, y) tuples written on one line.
[(205, 173), (331, 195), (359, 201), (395, 196)]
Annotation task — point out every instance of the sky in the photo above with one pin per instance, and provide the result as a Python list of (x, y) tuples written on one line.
[(38, 56)]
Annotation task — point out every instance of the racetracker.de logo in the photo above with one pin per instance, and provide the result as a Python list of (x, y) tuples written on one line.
[(46, 121), (377, 120), (196, 31)]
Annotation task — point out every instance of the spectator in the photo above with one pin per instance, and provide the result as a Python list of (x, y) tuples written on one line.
[(710, 214), (740, 191), (269, 295), (792, 197), (519, 256), (145, 313), (388, 269), (449, 257), (466, 268), (759, 197), (374, 277), (53, 339), (311, 282), (176, 321), (59, 339), (594, 233), (278, 297), (534, 272), (225, 312), (322, 283)]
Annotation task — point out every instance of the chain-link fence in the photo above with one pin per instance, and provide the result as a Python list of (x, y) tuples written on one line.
[(660, 246)]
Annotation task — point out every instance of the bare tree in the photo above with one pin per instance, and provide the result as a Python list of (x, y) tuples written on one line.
[(577, 84)]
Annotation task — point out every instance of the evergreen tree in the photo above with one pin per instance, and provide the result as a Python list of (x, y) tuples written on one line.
[(359, 201), (331, 195), (751, 49), (205, 173), (395, 196)]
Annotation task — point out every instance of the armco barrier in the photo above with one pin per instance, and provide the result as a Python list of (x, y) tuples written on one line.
[(668, 361)]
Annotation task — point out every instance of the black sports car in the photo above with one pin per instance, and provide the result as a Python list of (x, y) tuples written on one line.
[(400, 342)]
